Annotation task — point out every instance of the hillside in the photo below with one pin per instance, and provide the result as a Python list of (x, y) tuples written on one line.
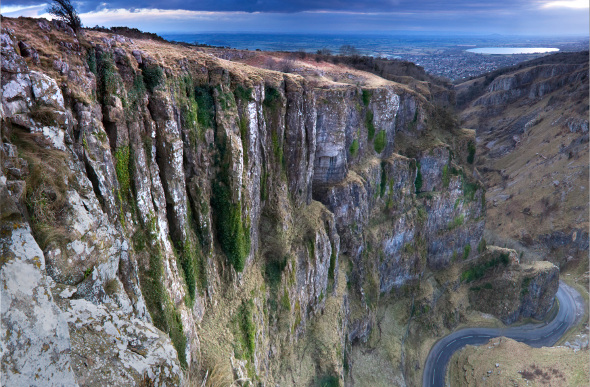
[(500, 363), (532, 130), (173, 218)]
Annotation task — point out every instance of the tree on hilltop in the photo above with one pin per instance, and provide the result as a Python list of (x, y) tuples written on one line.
[(349, 50), (65, 11)]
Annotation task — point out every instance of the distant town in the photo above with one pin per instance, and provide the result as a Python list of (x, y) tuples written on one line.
[(444, 56)]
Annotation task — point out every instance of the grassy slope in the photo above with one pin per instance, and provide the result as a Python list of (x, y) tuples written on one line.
[(518, 364)]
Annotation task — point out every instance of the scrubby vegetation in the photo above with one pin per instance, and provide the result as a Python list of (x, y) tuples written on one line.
[(471, 152), (479, 270), (271, 97), (366, 95), (153, 76), (354, 148), (232, 232), (206, 106), (370, 125), (162, 310), (418, 181), (246, 332), (122, 167), (243, 94), (380, 141)]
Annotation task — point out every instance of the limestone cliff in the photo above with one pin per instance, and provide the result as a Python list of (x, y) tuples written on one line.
[(182, 218)]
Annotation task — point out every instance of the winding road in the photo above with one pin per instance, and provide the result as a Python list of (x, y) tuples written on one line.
[(571, 310)]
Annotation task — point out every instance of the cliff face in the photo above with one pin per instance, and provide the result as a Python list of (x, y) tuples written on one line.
[(169, 210), (532, 128), (501, 286)]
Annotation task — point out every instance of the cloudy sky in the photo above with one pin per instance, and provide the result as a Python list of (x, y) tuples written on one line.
[(523, 17)]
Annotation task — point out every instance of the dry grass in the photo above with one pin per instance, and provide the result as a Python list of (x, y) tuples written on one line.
[(518, 364), (47, 183), (539, 186)]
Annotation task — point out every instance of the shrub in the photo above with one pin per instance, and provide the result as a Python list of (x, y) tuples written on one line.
[(380, 141), (277, 147), (481, 247), (466, 251), (366, 97), (332, 268), (273, 271), (471, 154), (242, 93), (446, 178), (354, 148), (162, 310), (243, 124), (137, 92), (247, 327), (328, 381), (91, 60), (122, 168), (233, 235), (479, 270), (418, 181), (153, 76), (109, 80), (206, 107), (383, 182), (469, 189), (271, 97), (370, 125), (456, 222)]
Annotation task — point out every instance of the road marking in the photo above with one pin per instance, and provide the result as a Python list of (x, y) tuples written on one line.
[(467, 337)]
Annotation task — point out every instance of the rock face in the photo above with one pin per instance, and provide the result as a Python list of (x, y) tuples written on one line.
[(532, 121), (520, 291), (196, 216), (35, 339)]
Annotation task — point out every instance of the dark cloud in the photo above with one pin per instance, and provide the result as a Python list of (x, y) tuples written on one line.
[(286, 6)]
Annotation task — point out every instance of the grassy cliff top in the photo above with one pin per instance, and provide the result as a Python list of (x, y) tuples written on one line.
[(53, 44)]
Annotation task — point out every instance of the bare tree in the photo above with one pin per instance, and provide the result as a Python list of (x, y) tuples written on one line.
[(324, 51), (65, 11), (348, 50)]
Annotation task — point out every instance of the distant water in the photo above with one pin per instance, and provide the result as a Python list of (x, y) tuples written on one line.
[(377, 45), (512, 50)]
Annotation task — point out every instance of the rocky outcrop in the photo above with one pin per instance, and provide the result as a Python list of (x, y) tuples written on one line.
[(509, 290), (35, 339)]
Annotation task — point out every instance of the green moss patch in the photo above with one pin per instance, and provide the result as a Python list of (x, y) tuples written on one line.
[(370, 125), (122, 169), (246, 331), (164, 314), (354, 148), (233, 234), (418, 181), (380, 141), (366, 95), (243, 94), (206, 106), (153, 76)]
